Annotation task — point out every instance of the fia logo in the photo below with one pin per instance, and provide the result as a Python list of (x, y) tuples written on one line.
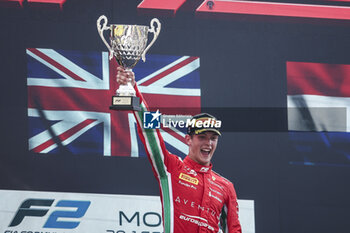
[(151, 120)]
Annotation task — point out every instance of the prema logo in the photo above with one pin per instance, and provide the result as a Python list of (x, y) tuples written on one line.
[(30, 208)]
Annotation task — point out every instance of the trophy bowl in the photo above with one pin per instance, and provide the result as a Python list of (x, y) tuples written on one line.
[(128, 44)]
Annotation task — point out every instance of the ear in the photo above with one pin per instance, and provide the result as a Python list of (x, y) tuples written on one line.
[(188, 139)]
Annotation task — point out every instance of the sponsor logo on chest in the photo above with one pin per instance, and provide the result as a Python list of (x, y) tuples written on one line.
[(188, 178), (190, 171)]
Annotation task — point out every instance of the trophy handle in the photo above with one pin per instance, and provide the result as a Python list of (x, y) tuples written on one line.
[(155, 36), (100, 32)]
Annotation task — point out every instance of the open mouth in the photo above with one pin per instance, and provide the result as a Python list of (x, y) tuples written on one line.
[(205, 151)]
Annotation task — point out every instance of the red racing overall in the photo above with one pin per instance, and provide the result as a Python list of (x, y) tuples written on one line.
[(194, 198)]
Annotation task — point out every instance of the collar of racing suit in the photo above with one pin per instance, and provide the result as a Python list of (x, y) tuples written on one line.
[(196, 166)]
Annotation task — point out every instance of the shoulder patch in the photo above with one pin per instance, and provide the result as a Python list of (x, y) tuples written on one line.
[(225, 179)]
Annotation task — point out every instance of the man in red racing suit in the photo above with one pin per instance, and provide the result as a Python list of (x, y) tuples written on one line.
[(194, 197)]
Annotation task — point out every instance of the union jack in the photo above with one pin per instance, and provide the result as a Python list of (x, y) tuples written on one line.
[(69, 93)]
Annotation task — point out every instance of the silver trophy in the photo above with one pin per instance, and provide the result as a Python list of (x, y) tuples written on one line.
[(128, 45)]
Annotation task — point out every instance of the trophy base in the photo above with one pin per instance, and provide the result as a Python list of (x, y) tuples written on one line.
[(125, 103)]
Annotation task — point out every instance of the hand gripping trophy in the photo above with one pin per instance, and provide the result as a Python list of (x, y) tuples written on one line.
[(128, 45)]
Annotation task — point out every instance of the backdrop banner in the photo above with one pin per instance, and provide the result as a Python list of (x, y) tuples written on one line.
[(58, 212)]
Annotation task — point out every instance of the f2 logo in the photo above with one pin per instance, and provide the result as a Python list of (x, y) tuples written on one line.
[(25, 210)]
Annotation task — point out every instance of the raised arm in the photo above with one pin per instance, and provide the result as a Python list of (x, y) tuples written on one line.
[(158, 155), (151, 138)]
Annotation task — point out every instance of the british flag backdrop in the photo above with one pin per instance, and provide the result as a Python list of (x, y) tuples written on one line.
[(69, 94)]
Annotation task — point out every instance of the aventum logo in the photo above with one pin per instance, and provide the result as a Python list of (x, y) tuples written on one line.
[(153, 120)]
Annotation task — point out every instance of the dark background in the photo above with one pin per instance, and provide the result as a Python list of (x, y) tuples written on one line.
[(242, 65)]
